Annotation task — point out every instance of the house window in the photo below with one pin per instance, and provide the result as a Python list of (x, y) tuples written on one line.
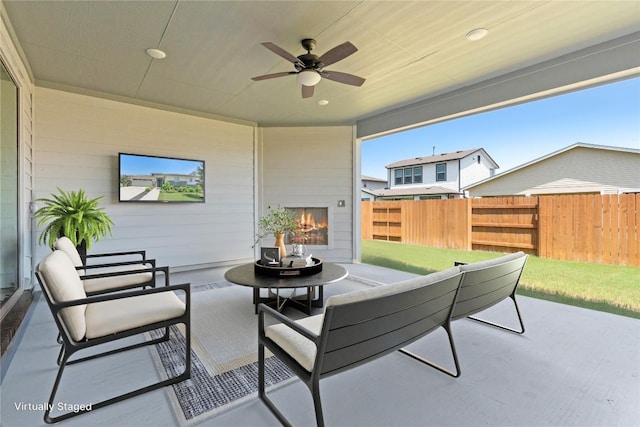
[(417, 175), (478, 159), (441, 172), (398, 176), (408, 175)]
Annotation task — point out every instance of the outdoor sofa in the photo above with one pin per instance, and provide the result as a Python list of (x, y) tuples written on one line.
[(361, 326)]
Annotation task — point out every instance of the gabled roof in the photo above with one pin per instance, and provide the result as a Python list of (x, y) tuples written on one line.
[(371, 178), (369, 191), (555, 153), (438, 158)]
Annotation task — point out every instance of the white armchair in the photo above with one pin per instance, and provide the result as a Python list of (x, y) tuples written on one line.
[(113, 276), (85, 322)]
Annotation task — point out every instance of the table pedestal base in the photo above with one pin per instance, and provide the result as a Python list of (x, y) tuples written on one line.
[(301, 302)]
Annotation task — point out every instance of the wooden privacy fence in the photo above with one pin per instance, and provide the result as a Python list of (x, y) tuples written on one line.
[(584, 227)]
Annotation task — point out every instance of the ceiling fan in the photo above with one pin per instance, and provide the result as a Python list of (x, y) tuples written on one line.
[(310, 68)]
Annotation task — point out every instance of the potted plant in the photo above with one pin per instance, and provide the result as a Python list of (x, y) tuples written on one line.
[(74, 215), (277, 222)]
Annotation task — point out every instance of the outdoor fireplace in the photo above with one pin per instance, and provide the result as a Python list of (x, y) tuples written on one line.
[(313, 226)]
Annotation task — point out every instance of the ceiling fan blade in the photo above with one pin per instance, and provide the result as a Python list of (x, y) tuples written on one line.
[(345, 78), (338, 53), (272, 76), (282, 53), (307, 91)]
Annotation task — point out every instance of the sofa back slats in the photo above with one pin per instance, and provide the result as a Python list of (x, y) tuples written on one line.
[(389, 323), (361, 331), (487, 286), (472, 288), (365, 310)]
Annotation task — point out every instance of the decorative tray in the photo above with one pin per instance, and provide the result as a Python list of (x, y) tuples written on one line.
[(285, 271)]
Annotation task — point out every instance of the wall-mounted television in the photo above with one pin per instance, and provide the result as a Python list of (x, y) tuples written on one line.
[(155, 179)]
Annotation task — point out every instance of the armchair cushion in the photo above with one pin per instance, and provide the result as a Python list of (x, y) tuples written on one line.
[(110, 317), (296, 345), (65, 285), (65, 245), (100, 284)]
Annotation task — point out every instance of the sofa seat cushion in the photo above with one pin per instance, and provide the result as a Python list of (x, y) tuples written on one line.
[(100, 284), (110, 317), (297, 346)]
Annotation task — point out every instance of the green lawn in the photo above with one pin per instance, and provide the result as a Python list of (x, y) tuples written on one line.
[(610, 288), (174, 196)]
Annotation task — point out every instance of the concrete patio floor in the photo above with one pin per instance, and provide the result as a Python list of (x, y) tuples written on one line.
[(572, 367)]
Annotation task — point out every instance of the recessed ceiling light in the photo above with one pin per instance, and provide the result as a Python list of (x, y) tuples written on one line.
[(477, 34), (156, 53), (323, 102)]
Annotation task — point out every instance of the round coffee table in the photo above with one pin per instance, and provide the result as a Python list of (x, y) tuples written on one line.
[(246, 276)]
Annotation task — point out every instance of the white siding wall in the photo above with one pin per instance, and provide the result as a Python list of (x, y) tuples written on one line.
[(79, 138), (429, 175), (305, 167), (471, 171), (20, 74), (577, 170)]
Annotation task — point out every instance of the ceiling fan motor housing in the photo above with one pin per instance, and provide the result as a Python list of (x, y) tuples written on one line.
[(310, 61)]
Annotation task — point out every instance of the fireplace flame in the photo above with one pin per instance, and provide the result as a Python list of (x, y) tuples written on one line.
[(307, 222)]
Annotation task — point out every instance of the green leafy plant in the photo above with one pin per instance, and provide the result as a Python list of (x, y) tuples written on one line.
[(74, 215), (277, 221)]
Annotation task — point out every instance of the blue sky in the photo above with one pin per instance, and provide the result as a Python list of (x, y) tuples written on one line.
[(143, 165), (603, 115)]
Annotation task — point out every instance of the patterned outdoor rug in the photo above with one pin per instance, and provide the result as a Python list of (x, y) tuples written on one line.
[(224, 353)]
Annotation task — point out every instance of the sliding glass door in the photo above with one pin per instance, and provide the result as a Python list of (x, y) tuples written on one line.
[(9, 260)]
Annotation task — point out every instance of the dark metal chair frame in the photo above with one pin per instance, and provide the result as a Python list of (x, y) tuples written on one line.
[(355, 333), (70, 346), (141, 252), (486, 287), (150, 283)]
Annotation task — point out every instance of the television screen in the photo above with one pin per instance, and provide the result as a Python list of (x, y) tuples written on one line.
[(160, 179)]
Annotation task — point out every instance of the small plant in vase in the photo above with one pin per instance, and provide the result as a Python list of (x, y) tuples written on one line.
[(277, 222)]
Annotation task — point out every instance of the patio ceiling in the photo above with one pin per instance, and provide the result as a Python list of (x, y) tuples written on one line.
[(410, 53)]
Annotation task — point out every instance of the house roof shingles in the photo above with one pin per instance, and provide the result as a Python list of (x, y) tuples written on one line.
[(444, 157)]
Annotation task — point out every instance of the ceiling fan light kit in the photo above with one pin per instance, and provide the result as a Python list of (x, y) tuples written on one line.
[(310, 67), (308, 77)]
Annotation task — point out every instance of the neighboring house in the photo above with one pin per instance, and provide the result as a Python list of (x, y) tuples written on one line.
[(159, 179), (372, 183), (369, 185), (440, 176), (578, 168)]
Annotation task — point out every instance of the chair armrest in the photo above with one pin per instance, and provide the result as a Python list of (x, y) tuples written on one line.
[(142, 253), (151, 262), (185, 287), (152, 270), (265, 309)]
